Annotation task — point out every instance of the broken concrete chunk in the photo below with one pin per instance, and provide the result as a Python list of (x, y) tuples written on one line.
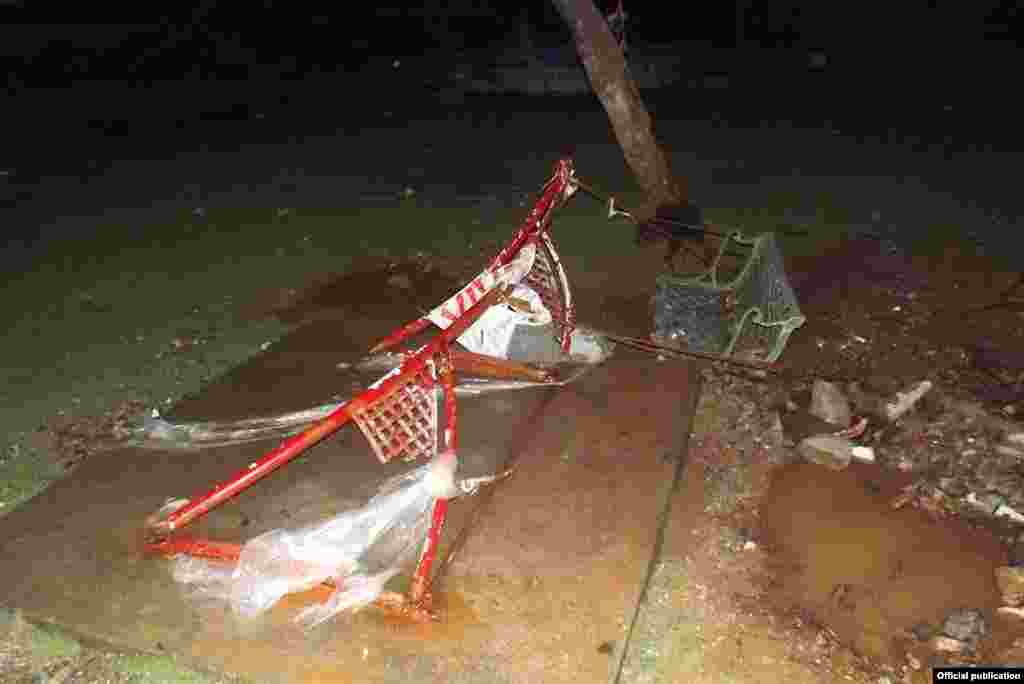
[(965, 624), (1013, 514), (799, 425), (830, 404), (827, 450), (905, 401), (863, 454)]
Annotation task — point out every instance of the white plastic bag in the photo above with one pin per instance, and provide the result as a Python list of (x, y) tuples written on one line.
[(358, 551)]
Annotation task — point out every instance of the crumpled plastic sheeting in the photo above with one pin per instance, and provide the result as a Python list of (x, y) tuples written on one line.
[(358, 551), (490, 334), (158, 432), (588, 349)]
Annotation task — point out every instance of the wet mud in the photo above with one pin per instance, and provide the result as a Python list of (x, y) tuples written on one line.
[(841, 554)]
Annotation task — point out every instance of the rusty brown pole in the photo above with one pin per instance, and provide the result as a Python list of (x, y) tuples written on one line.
[(610, 79)]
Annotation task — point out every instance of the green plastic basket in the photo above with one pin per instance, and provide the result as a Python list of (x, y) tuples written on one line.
[(747, 311)]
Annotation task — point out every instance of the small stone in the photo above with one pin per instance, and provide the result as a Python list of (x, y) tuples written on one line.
[(965, 624), (985, 503), (799, 425), (1016, 438), (830, 404), (400, 281), (922, 631), (1012, 611), (831, 452), (905, 401), (944, 644), (952, 486), (1012, 452), (1011, 584), (1013, 514), (864, 454)]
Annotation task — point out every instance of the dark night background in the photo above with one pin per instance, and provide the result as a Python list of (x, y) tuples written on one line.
[(85, 85), (43, 45)]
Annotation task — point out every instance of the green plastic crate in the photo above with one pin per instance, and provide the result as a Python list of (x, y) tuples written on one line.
[(747, 311)]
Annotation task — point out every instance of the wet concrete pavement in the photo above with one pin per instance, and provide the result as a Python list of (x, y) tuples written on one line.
[(547, 572)]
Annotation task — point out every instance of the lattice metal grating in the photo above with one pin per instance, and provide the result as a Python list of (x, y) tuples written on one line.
[(403, 422), (544, 279)]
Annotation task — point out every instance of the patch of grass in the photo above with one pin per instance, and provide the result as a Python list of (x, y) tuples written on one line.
[(684, 646), (152, 669), (673, 577), (726, 488), (803, 225), (48, 642), (23, 474)]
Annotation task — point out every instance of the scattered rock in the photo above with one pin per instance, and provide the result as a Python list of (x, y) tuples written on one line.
[(863, 454), (400, 281), (799, 425), (923, 631), (905, 401), (952, 486), (944, 644), (1011, 451), (966, 624), (986, 503), (830, 404), (1011, 584), (827, 450), (1010, 513)]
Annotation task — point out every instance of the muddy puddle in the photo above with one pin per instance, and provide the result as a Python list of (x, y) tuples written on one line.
[(841, 555)]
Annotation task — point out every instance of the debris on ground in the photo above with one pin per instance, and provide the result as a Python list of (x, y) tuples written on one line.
[(73, 440), (829, 403)]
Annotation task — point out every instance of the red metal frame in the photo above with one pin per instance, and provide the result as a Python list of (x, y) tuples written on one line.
[(535, 228), (419, 589), (465, 308), (160, 527)]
